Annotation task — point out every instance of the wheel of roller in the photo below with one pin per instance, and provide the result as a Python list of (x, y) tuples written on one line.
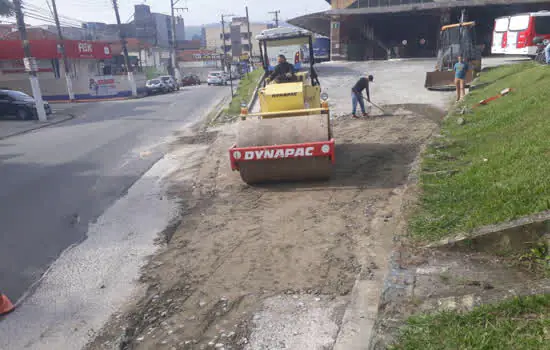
[(279, 131)]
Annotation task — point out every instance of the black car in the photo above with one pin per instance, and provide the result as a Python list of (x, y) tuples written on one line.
[(20, 105)]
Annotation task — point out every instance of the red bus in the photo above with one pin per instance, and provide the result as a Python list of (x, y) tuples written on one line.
[(523, 28)]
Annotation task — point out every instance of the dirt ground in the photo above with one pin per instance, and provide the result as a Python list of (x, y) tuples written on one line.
[(237, 246)]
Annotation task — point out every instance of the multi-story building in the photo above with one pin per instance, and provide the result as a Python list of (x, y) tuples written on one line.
[(236, 41), (156, 28)]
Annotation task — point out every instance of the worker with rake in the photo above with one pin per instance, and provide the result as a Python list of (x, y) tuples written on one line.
[(357, 95)]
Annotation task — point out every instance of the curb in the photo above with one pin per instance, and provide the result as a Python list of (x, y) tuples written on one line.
[(505, 235), (255, 93), (41, 126), (219, 107), (99, 99)]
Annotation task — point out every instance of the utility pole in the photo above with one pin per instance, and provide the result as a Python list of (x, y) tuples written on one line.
[(129, 67), (30, 62), (63, 53), (249, 39), (225, 54), (276, 13), (174, 40)]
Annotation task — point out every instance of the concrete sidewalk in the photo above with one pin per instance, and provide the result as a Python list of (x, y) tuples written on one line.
[(9, 128)]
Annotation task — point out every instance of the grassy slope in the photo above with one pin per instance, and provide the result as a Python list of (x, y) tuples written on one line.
[(496, 167), (519, 323), (244, 91)]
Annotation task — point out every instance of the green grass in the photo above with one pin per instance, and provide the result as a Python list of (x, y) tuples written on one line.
[(495, 167), (519, 323), (244, 91), (152, 72)]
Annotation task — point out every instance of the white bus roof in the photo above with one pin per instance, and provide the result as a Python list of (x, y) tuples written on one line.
[(281, 32), (533, 14)]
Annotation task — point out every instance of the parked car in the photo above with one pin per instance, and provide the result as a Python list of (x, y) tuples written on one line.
[(155, 86), (170, 82), (216, 78), (190, 79), (20, 105)]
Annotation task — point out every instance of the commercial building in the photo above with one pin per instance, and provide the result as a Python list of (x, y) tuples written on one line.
[(92, 69), (378, 29)]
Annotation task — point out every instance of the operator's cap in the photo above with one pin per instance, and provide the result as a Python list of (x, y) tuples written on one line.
[(369, 77)]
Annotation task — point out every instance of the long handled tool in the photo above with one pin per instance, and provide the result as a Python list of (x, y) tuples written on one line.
[(375, 105)]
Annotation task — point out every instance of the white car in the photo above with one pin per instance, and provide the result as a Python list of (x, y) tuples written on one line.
[(216, 78)]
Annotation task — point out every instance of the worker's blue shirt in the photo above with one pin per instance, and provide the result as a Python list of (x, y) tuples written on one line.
[(460, 70)]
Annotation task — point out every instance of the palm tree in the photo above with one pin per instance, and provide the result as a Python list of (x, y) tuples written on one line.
[(6, 8)]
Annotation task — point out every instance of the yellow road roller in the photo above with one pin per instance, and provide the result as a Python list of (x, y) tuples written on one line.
[(290, 138)]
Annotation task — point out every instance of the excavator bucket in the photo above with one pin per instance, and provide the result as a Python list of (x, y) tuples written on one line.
[(445, 80)]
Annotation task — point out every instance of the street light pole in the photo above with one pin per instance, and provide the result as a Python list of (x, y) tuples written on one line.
[(225, 54), (63, 53), (131, 79), (276, 13), (249, 39), (30, 62), (174, 41)]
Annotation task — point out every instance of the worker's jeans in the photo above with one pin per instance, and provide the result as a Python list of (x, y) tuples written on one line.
[(355, 98)]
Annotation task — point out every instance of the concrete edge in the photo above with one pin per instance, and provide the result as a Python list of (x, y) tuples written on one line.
[(392, 265), (358, 329), (254, 96), (218, 109), (515, 233), (40, 126), (139, 96)]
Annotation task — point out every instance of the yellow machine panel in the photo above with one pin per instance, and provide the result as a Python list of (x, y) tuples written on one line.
[(281, 97), (312, 98)]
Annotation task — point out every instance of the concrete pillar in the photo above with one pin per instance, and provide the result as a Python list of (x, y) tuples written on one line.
[(336, 53), (445, 17)]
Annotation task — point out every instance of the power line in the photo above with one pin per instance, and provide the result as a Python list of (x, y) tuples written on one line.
[(276, 13), (44, 16), (48, 20), (41, 10)]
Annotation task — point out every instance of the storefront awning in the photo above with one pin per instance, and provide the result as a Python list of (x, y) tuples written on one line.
[(48, 49), (318, 23)]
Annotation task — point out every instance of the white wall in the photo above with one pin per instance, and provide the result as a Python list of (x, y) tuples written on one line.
[(52, 86)]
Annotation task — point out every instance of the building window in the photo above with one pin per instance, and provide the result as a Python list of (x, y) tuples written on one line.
[(245, 47), (244, 36)]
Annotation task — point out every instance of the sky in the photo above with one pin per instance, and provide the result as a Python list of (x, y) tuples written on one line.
[(199, 11)]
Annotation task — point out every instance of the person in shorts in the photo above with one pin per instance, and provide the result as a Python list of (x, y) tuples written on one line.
[(460, 68)]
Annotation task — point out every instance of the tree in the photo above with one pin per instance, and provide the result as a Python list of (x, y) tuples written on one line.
[(6, 8)]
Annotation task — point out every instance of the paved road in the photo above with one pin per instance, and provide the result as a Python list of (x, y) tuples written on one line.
[(57, 180)]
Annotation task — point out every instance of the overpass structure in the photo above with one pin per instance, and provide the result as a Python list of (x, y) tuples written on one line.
[(377, 29)]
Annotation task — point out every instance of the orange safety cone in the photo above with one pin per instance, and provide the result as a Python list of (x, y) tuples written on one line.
[(5, 305)]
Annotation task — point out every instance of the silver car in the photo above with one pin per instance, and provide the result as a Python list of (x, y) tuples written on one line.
[(170, 82), (216, 78), (155, 86)]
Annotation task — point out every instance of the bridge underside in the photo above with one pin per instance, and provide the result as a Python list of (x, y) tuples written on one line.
[(379, 32)]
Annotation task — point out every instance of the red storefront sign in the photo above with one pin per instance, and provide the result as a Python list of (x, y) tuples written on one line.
[(49, 49)]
